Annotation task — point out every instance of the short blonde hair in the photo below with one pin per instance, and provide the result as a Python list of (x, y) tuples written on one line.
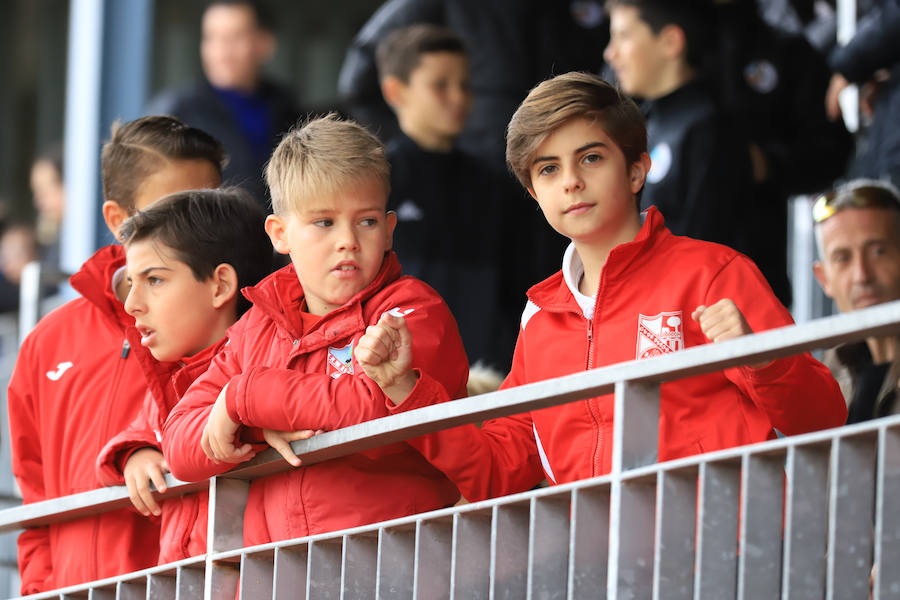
[(321, 157), (555, 102)]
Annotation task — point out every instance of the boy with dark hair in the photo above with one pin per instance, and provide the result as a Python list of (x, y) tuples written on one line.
[(77, 364), (628, 289), (701, 166), (289, 361), (187, 258), (454, 227)]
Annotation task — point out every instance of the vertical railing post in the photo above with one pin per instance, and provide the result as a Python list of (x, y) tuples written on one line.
[(225, 531), (29, 299), (635, 444)]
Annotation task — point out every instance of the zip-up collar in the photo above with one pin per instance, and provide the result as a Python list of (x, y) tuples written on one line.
[(94, 281), (559, 293), (280, 296)]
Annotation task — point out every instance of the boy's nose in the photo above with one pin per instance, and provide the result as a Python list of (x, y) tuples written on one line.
[(133, 304), (348, 239), (572, 182)]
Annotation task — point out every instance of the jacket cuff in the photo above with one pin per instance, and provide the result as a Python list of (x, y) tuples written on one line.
[(231, 399), (426, 392), (771, 372)]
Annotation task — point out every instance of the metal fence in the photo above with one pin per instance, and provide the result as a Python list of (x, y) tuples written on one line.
[(800, 517)]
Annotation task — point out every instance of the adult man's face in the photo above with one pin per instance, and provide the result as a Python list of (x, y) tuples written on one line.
[(233, 47), (860, 263)]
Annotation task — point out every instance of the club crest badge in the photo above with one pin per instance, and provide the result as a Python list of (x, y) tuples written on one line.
[(340, 361), (659, 334)]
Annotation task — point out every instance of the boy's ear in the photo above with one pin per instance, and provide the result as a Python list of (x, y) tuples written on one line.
[(531, 193), (275, 228), (224, 281), (392, 89), (638, 172), (391, 222), (673, 39), (114, 215)]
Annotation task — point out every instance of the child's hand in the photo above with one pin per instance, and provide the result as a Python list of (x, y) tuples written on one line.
[(220, 434), (723, 321), (142, 467), (385, 354), (281, 441)]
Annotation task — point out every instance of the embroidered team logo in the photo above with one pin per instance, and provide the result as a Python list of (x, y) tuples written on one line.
[(659, 334), (340, 361)]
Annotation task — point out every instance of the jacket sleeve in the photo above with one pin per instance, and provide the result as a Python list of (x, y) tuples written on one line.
[(497, 459), (288, 400), (35, 559), (184, 426), (798, 393), (874, 45), (112, 458)]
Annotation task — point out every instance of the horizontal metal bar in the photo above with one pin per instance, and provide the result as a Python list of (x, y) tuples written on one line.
[(877, 320), (85, 504)]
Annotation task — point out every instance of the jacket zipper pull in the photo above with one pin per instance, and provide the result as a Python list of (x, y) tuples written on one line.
[(126, 348)]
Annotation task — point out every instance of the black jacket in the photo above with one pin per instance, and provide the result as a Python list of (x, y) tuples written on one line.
[(202, 107), (875, 46), (453, 233)]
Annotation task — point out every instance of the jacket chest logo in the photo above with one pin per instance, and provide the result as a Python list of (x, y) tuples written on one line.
[(659, 334), (60, 369), (340, 361)]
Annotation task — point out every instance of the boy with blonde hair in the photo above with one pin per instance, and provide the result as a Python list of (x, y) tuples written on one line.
[(628, 289), (290, 360)]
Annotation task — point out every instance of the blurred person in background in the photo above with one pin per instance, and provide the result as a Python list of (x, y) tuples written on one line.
[(770, 83), (49, 198), (235, 102), (857, 227), (871, 59)]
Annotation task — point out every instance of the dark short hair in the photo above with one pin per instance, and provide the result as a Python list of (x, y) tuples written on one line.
[(263, 17), (141, 147), (400, 52), (555, 102), (694, 17), (206, 228)]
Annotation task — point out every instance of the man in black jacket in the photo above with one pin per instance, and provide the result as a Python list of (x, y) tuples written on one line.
[(234, 102)]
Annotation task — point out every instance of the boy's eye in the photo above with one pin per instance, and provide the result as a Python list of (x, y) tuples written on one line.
[(547, 170), (592, 158), (369, 222), (151, 280), (323, 223)]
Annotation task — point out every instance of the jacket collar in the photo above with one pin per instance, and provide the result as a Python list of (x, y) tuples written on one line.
[(560, 291), (94, 281), (280, 296)]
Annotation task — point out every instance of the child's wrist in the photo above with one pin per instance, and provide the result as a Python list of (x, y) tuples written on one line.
[(401, 387)]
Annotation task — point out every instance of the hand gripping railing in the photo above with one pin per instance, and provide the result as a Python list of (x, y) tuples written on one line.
[(702, 527)]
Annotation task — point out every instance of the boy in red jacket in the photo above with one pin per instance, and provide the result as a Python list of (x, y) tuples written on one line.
[(77, 383), (628, 289), (187, 258), (289, 361)]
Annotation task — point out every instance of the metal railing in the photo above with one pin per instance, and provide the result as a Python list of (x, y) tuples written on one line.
[(799, 517)]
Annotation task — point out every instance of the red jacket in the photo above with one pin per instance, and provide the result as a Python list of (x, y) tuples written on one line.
[(282, 376), (76, 383), (184, 519), (648, 289)]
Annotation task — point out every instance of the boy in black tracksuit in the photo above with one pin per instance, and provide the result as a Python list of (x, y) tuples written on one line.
[(452, 210)]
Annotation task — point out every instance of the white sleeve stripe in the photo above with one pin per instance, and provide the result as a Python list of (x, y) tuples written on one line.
[(544, 462), (531, 309)]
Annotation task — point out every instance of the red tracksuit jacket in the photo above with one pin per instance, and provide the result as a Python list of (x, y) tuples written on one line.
[(648, 290), (183, 520), (76, 384), (282, 376)]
